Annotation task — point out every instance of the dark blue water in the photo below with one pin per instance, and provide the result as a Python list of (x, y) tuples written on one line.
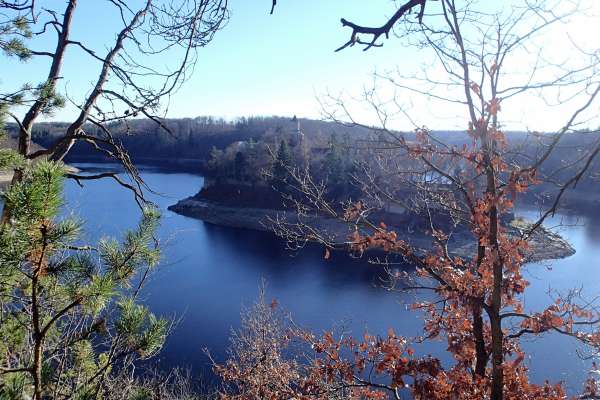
[(208, 273)]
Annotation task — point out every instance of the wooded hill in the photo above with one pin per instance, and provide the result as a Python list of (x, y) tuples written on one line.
[(190, 140), (194, 138), (190, 143)]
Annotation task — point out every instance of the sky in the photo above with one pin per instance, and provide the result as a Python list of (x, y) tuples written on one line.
[(285, 64)]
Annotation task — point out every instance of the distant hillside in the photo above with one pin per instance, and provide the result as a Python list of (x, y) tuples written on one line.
[(191, 139), (8, 142)]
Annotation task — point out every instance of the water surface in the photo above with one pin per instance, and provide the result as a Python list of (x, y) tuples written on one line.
[(209, 272)]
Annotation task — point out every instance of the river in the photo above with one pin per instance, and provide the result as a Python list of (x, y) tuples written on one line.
[(208, 273)]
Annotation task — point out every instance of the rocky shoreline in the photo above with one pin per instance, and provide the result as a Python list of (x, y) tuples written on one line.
[(544, 245)]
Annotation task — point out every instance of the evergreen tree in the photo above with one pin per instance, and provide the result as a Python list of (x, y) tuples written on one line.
[(215, 162), (282, 162), (69, 323), (240, 166), (334, 163), (13, 30)]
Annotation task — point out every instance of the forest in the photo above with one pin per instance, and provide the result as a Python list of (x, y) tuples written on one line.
[(333, 150), (86, 305), (190, 139)]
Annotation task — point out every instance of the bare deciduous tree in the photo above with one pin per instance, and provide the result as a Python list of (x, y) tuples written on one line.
[(487, 60), (153, 53)]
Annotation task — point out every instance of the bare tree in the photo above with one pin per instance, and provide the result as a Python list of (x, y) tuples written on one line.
[(131, 77), (471, 182)]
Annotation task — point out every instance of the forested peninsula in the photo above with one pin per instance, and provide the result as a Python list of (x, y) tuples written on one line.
[(190, 144), (247, 161)]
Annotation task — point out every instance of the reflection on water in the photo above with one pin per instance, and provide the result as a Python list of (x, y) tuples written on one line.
[(591, 225), (209, 272)]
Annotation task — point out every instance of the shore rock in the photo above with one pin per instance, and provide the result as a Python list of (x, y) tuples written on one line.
[(544, 245)]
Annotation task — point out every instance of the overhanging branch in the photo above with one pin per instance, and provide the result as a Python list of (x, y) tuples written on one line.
[(385, 29)]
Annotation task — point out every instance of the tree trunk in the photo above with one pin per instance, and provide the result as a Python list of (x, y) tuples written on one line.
[(37, 339), (497, 388), (53, 76), (24, 140), (481, 355), (496, 300), (497, 357)]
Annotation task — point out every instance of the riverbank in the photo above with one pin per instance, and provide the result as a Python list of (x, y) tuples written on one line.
[(544, 244)]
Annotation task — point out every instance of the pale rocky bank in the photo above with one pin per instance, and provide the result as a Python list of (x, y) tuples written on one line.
[(544, 244)]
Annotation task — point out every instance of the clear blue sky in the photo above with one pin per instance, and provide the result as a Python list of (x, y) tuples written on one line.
[(277, 64), (262, 64)]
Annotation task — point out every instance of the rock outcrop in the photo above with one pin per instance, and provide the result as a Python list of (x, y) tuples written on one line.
[(543, 244)]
